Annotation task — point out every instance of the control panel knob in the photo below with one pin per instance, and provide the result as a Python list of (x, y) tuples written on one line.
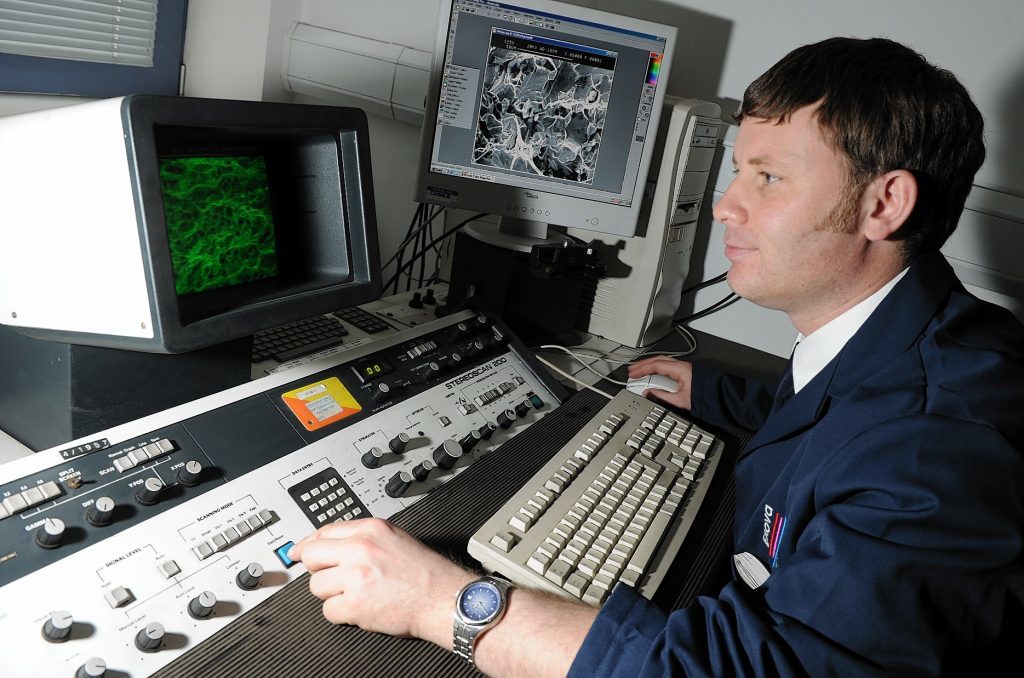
[(249, 578), (431, 371), (454, 361), (398, 443), (506, 418), (101, 513), (201, 606), (58, 627), (476, 348), (51, 534), (447, 453), (522, 408), (150, 638), (421, 470), (487, 430), (371, 458), (398, 484), (416, 301), (149, 493), (94, 667), (461, 331), (469, 441), (428, 298), (481, 321), (380, 392), (188, 475)]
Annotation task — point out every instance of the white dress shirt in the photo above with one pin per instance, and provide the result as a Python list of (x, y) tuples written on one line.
[(817, 349)]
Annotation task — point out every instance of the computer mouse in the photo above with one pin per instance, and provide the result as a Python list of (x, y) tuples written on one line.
[(652, 381)]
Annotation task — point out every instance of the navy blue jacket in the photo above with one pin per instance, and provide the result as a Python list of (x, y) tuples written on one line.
[(886, 499)]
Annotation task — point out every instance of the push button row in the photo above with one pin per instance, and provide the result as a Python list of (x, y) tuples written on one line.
[(16, 503), (143, 454), (234, 533)]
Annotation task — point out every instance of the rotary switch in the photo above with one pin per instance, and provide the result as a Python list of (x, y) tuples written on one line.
[(506, 418), (469, 441), (95, 667), (371, 458), (101, 513), (398, 484), (58, 627), (189, 474), (522, 408), (431, 371), (487, 430), (398, 443), (447, 453), (51, 534), (421, 470), (249, 578), (461, 331), (380, 392), (454, 361), (150, 491), (150, 638), (202, 605)]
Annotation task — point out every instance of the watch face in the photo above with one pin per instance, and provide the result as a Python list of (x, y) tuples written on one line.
[(480, 602)]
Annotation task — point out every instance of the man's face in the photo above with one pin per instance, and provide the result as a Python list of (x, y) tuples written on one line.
[(791, 220)]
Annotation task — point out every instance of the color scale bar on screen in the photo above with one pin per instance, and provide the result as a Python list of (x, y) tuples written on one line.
[(653, 69)]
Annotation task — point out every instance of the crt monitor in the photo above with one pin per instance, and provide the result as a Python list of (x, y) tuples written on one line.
[(543, 113), (168, 224)]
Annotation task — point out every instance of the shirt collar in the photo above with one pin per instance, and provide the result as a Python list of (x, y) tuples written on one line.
[(813, 352)]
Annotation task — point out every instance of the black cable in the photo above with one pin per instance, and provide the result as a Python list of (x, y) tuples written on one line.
[(400, 252), (705, 283), (446, 234), (713, 308)]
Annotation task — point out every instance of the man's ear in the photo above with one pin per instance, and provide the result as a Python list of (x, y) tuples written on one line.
[(888, 201)]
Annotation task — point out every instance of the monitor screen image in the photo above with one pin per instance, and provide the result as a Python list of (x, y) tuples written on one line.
[(545, 112), (220, 227)]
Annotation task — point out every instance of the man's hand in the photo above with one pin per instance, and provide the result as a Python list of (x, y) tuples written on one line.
[(681, 371), (376, 576)]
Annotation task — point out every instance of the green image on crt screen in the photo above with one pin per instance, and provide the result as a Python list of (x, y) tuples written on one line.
[(219, 226)]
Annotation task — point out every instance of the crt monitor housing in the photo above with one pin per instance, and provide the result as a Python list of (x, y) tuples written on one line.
[(543, 112), (165, 224)]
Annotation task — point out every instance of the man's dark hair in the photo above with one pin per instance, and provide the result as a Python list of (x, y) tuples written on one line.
[(885, 108)]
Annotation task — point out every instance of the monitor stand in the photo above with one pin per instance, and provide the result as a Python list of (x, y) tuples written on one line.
[(493, 265), (55, 392)]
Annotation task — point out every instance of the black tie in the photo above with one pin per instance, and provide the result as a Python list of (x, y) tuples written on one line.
[(785, 389)]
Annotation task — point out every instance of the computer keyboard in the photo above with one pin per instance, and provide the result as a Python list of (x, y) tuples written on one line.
[(294, 340), (614, 504)]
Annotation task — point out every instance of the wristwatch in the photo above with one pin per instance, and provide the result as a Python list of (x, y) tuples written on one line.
[(479, 606)]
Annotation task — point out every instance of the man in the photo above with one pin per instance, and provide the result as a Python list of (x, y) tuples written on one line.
[(880, 517)]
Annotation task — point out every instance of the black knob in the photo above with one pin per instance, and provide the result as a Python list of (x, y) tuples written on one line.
[(522, 408), (93, 668), (150, 638), (428, 298), (447, 453), (421, 470), (380, 392), (188, 475), (101, 513), (398, 443), (149, 494), (51, 534), (476, 348), (506, 418), (58, 627), (454, 361), (431, 371), (487, 430), (416, 301), (398, 484), (460, 332), (371, 459), (481, 321), (202, 605), (469, 441), (249, 578)]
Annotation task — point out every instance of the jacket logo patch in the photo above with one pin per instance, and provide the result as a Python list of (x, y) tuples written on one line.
[(774, 528)]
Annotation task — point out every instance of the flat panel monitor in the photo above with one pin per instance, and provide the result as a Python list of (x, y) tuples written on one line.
[(543, 112)]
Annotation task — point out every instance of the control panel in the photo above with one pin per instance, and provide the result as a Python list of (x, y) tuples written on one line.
[(120, 552)]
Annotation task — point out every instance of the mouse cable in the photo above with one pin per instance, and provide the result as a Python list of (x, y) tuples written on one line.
[(572, 378)]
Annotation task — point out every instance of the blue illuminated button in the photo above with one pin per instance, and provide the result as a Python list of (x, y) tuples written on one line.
[(282, 553)]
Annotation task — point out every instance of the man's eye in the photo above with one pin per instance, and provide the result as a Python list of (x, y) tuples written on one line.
[(769, 178)]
